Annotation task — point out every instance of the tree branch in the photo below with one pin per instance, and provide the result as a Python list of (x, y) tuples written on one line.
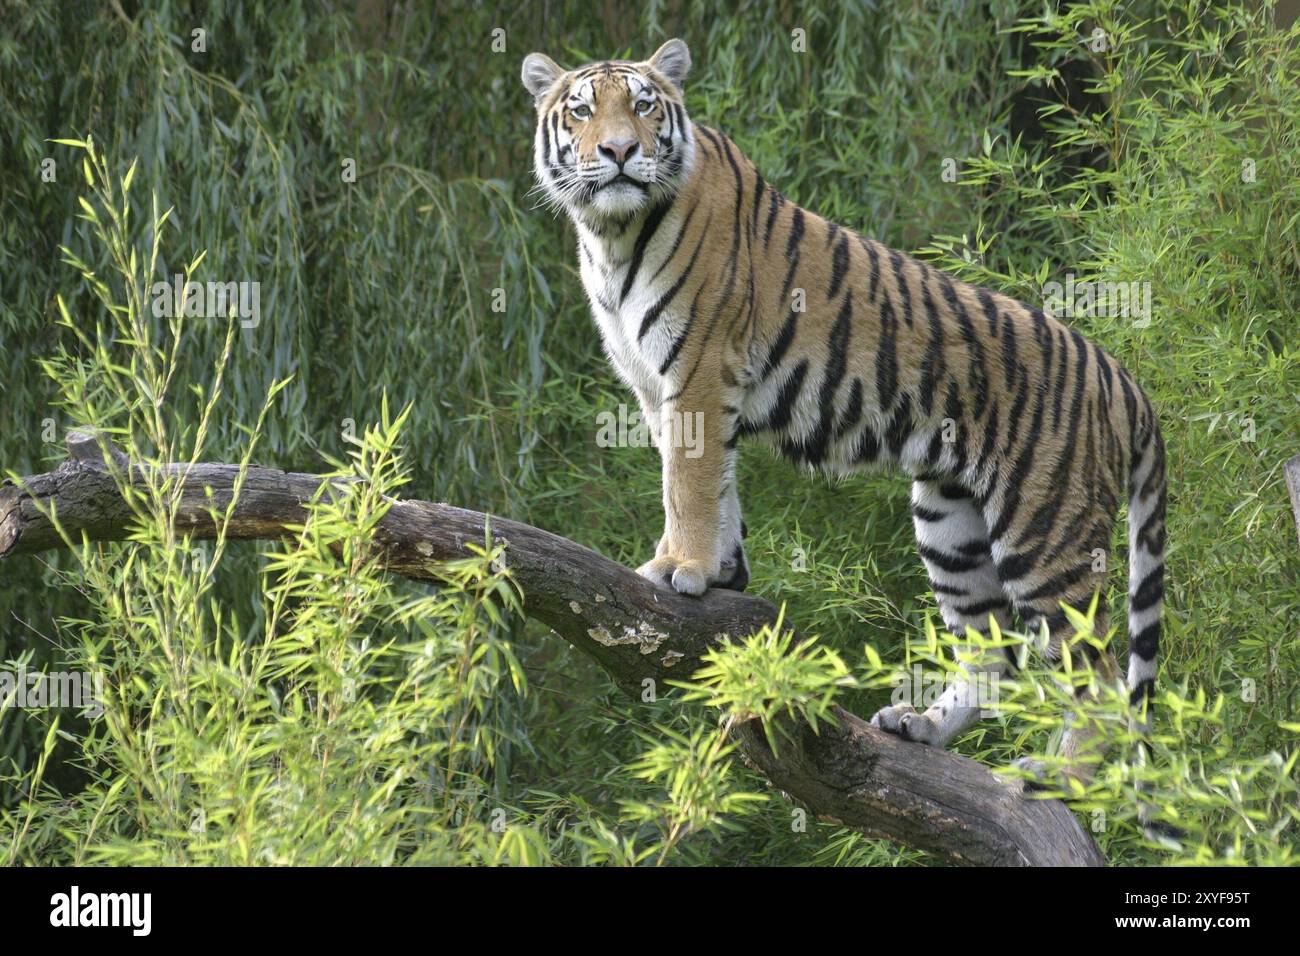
[(851, 773)]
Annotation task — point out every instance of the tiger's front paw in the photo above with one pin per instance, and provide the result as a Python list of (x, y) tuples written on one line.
[(684, 577), (694, 577)]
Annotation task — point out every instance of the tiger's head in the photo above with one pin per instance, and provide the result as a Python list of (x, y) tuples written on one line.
[(612, 138)]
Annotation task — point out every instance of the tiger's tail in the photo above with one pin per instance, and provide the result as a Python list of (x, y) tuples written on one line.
[(1146, 593)]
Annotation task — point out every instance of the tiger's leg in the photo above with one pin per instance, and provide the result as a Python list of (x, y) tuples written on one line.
[(954, 545), (700, 545), (1036, 597), (734, 571)]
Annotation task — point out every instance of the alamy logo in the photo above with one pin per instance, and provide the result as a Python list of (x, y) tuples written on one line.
[(103, 909), (922, 689), (1086, 298), (26, 689), (628, 429), (213, 300)]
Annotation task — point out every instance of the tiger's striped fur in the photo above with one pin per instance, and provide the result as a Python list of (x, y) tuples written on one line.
[(718, 297)]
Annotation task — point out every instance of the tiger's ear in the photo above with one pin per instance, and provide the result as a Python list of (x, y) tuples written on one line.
[(540, 73), (673, 61)]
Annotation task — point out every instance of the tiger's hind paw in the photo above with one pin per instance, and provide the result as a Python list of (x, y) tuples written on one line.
[(1040, 775), (1069, 779), (903, 720)]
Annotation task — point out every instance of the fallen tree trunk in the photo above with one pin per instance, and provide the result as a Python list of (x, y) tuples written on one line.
[(850, 773)]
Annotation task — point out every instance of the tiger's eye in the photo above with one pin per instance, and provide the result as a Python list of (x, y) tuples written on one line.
[(582, 112)]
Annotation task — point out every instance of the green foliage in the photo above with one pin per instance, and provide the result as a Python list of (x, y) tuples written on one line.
[(293, 704), (766, 676), (1230, 808)]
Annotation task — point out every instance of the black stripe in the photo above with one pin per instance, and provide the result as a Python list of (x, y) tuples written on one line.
[(933, 365), (900, 426), (796, 235), (978, 377), (774, 205), (779, 419), (837, 345), (1103, 370), (1130, 409), (676, 243), (1010, 361), (1047, 344), (839, 266), (711, 137), (954, 412), (1044, 519), (1062, 376), (875, 267), (791, 253), (928, 514), (1022, 466), (982, 608), (735, 170), (1147, 527), (652, 221), (1058, 583), (1017, 409), (904, 293), (852, 413), (1147, 643), (949, 562), (868, 448), (671, 357), (990, 438), (653, 313), (1143, 692), (1149, 592), (1013, 567), (934, 450), (990, 310), (546, 150), (886, 358), (948, 589), (734, 258), (779, 347)]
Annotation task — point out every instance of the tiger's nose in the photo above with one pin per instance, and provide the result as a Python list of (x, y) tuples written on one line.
[(618, 150)]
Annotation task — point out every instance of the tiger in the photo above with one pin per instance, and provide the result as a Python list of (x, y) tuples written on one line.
[(720, 301)]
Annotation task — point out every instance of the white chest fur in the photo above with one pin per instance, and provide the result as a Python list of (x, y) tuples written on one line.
[(624, 289)]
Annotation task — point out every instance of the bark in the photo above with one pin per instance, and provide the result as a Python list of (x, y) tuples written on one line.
[(851, 773)]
